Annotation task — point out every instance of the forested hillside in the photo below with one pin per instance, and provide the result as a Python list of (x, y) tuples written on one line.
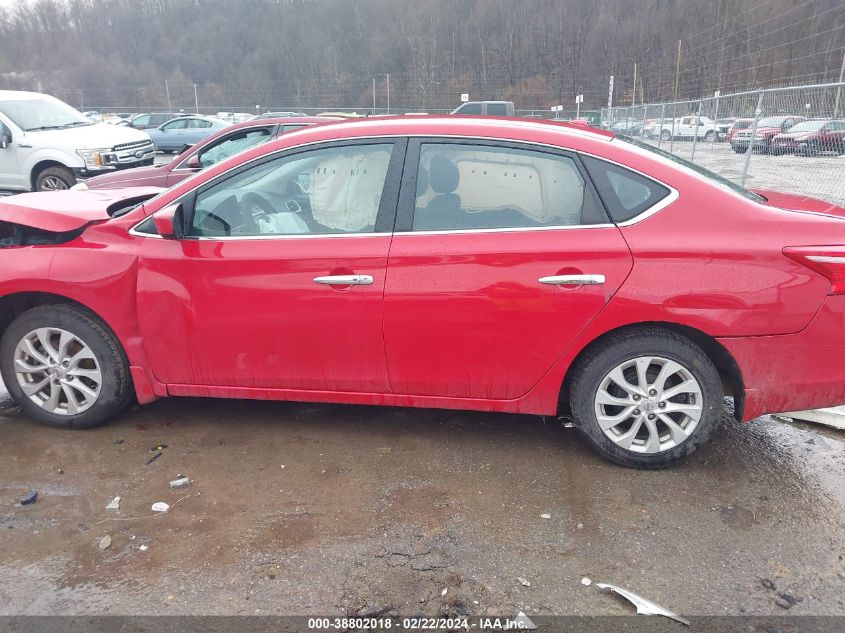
[(325, 53)]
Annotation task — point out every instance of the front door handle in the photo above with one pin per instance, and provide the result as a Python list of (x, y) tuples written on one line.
[(345, 280), (572, 280)]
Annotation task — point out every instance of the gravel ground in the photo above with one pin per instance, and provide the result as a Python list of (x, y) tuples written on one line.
[(306, 509)]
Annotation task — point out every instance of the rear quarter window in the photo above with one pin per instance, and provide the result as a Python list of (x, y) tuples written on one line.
[(625, 194)]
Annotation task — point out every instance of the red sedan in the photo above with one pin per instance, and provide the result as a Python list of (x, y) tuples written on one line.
[(496, 264), (207, 152)]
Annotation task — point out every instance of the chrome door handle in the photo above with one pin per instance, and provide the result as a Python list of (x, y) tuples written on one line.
[(345, 280), (572, 280)]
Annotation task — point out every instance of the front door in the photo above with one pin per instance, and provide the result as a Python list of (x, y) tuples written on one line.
[(279, 280), (502, 256)]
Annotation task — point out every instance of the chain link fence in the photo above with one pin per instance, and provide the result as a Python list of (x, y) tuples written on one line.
[(783, 139)]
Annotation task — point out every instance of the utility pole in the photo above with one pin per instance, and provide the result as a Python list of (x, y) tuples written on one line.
[(634, 90), (167, 90), (677, 72), (388, 92), (610, 93), (374, 95), (839, 89), (196, 100)]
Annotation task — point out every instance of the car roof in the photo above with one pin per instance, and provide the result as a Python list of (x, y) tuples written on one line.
[(495, 128), (20, 95), (282, 120)]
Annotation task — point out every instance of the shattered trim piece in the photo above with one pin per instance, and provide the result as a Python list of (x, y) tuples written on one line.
[(644, 607)]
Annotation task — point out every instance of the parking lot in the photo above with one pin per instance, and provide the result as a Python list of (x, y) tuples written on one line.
[(816, 176), (321, 509)]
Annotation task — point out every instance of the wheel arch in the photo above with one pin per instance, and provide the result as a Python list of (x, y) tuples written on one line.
[(721, 358), (16, 303), (41, 166)]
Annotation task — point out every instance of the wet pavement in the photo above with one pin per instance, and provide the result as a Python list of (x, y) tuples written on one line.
[(307, 509)]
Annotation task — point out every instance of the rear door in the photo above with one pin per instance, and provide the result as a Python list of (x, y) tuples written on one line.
[(502, 255)]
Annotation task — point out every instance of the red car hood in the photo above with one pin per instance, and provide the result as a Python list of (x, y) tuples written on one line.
[(797, 202), (151, 176), (62, 211)]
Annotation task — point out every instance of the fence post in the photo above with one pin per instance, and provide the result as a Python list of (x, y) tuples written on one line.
[(750, 149), (672, 138), (645, 116), (716, 118), (695, 132), (660, 129)]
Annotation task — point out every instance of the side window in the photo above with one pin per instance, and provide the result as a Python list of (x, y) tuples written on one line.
[(486, 187), (231, 145), (788, 123), (289, 128), (470, 108), (625, 193), (144, 119), (497, 109), (177, 124), (323, 191), (199, 123), (686, 121)]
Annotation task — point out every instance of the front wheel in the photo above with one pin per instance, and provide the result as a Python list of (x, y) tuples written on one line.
[(666, 135), (647, 398), (710, 136), (63, 367), (54, 179)]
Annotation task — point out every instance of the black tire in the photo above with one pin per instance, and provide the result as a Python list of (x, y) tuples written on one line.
[(116, 388), (710, 136), (616, 349), (666, 135), (61, 176), (737, 149)]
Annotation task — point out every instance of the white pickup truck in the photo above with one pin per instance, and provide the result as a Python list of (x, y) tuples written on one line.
[(685, 128), (46, 145)]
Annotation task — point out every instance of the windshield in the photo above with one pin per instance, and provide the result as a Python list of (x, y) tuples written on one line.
[(770, 122), (45, 113), (715, 178), (808, 126)]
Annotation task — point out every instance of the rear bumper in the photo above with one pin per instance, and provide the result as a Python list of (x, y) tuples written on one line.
[(794, 372)]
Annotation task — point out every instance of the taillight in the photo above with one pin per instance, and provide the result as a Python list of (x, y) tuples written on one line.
[(828, 261)]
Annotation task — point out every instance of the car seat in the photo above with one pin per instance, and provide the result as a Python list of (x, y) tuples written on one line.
[(444, 210)]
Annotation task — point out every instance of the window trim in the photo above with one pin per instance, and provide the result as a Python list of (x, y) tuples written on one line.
[(409, 138), (385, 216), (408, 193)]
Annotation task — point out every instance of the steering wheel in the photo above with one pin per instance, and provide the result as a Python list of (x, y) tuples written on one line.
[(254, 206)]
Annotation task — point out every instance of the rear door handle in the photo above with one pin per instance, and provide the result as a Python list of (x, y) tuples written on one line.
[(345, 280), (573, 280)]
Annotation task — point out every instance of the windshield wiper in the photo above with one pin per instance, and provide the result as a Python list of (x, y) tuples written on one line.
[(44, 127), (79, 123)]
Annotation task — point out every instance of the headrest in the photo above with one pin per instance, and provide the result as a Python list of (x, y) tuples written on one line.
[(443, 174)]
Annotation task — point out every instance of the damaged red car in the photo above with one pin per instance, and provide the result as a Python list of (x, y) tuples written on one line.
[(498, 265)]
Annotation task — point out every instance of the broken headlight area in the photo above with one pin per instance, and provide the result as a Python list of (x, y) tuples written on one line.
[(12, 234)]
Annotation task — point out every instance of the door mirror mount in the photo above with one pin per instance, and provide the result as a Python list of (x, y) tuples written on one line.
[(170, 221), (194, 162)]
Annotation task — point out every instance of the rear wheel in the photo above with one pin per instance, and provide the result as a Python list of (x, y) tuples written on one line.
[(710, 136), (54, 179), (646, 398), (666, 135), (63, 367)]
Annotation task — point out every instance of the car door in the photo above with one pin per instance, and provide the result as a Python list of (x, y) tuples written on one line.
[(267, 292), (171, 134), (502, 255)]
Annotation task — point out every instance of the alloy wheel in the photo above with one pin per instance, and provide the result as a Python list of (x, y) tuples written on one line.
[(56, 370), (53, 183), (648, 404)]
